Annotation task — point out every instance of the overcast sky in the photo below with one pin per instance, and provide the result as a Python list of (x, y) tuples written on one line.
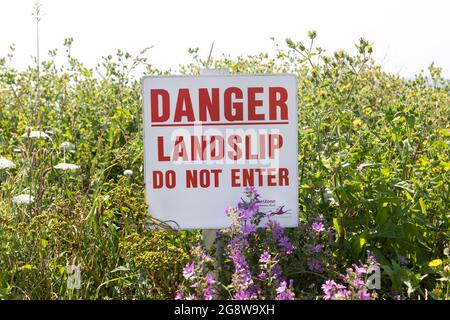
[(407, 34)]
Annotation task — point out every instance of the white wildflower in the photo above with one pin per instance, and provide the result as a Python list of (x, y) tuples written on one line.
[(361, 166), (66, 166), (36, 134), (328, 196), (67, 146), (6, 164), (128, 173), (23, 199)]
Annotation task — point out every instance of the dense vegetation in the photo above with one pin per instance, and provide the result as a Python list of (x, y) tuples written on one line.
[(373, 168)]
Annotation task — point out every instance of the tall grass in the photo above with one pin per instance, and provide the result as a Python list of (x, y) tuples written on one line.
[(373, 160)]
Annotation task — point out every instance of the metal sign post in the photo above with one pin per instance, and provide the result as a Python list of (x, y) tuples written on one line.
[(210, 235)]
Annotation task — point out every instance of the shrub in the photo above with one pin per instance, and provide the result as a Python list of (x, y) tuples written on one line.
[(373, 168)]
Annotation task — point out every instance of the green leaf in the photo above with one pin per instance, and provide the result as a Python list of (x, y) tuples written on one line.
[(358, 244), (27, 267), (121, 268), (405, 185), (382, 214), (423, 207), (336, 226), (62, 270)]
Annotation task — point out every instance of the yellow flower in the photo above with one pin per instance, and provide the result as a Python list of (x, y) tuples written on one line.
[(357, 122), (437, 291), (435, 263)]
